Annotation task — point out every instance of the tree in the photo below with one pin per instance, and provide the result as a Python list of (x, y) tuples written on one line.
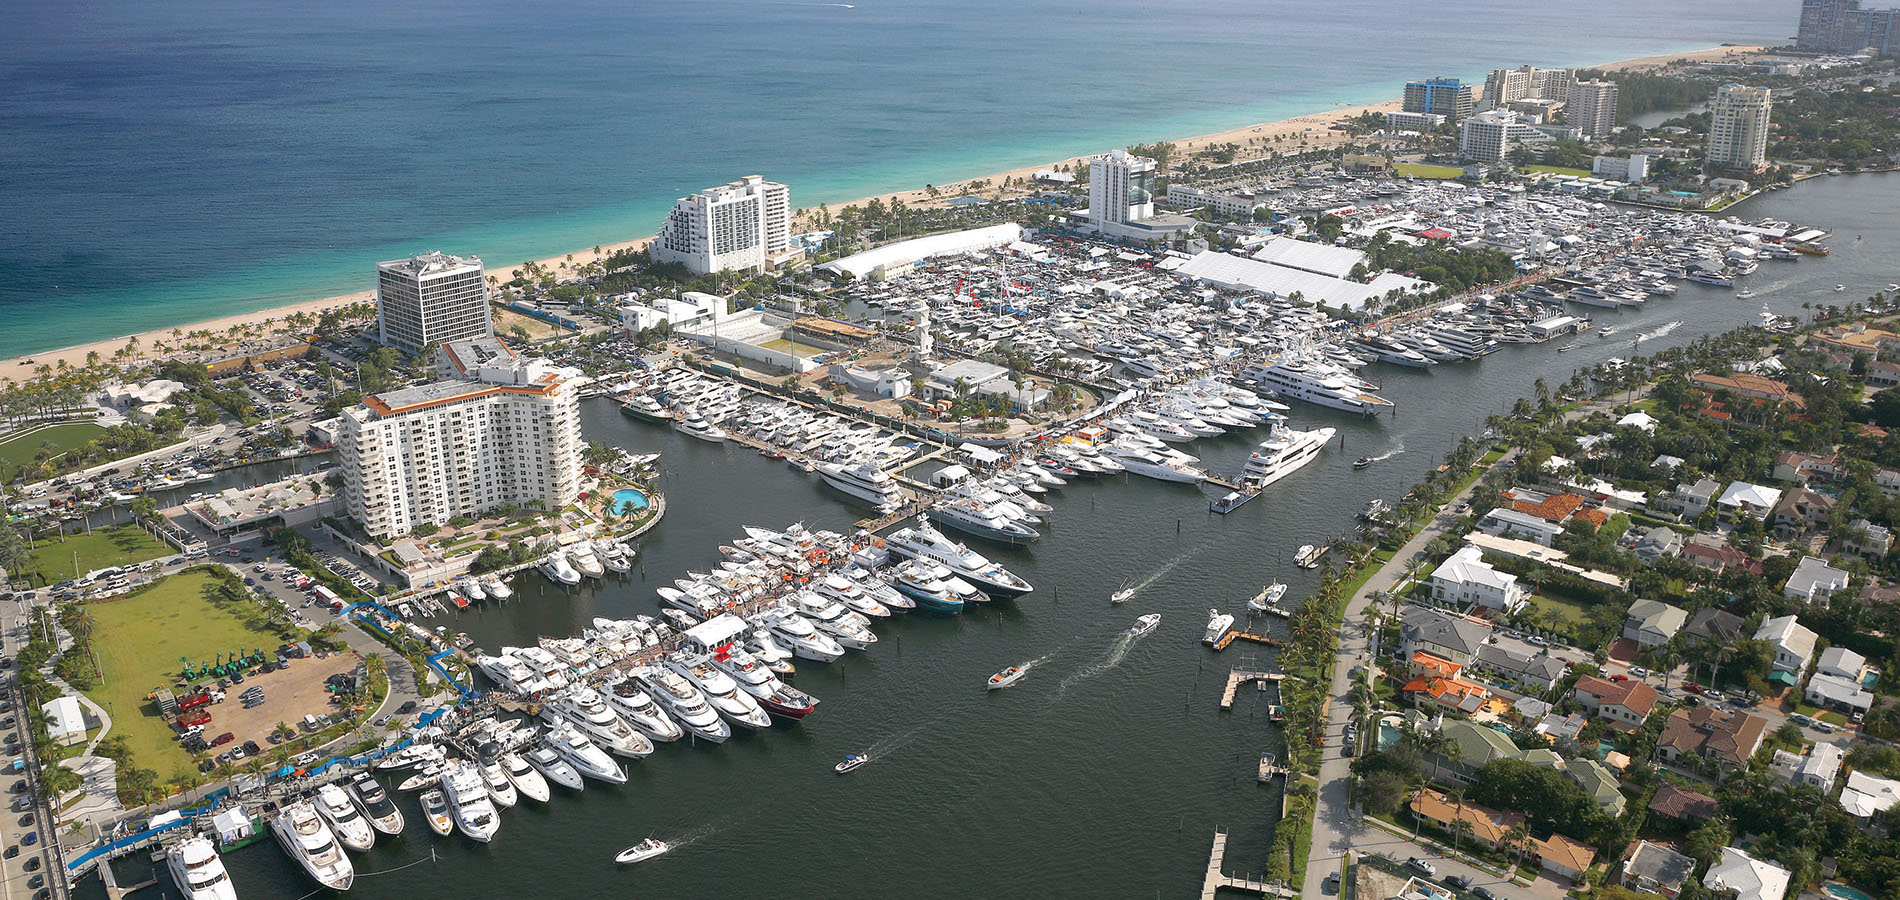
[(58, 780)]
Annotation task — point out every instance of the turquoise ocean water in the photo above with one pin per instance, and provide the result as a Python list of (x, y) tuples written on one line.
[(167, 163)]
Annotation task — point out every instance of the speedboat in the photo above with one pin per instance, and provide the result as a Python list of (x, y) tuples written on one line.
[(528, 782), (375, 805), (425, 775), (556, 769), (351, 829), (1006, 678), (799, 635), (557, 569), (1218, 624), (634, 705), (991, 578), (722, 693), (1268, 598), (641, 852), (500, 789), (472, 589), (198, 871), (435, 811), (301, 832), (584, 756), (1362, 462), (1145, 624), (469, 803), (852, 761), (684, 702), (582, 557)]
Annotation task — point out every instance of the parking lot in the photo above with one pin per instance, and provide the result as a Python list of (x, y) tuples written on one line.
[(289, 695)]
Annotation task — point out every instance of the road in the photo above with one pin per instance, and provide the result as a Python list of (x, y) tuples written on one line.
[(21, 876)]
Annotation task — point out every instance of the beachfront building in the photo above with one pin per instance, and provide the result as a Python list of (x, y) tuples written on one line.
[(502, 430), (1445, 96), (431, 299), (1409, 121), (744, 226), (1122, 199), (1841, 26), (1504, 87), (1490, 136), (1738, 128), (1592, 108)]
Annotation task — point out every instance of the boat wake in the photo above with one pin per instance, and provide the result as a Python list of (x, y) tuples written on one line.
[(1610, 330), (694, 836), (1389, 453), (1117, 652), (1660, 332), (885, 746), (1130, 590)]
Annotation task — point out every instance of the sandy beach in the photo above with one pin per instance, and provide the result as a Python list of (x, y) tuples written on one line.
[(1301, 132)]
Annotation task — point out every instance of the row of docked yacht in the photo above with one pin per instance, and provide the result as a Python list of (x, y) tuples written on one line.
[(583, 559), (710, 409)]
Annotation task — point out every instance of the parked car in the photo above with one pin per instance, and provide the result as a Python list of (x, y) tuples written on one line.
[(223, 739), (1483, 893), (1422, 866), (1458, 881)]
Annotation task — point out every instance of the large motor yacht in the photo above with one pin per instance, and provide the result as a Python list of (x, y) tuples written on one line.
[(684, 702), (923, 541), (528, 782), (584, 708), (554, 768), (303, 835), (346, 821), (1284, 451), (798, 635), (374, 803), (864, 481), (722, 693), (469, 803), (973, 517), (636, 706), (199, 872), (1318, 385), (692, 424)]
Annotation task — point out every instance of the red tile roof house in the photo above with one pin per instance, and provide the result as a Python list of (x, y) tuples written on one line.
[(1623, 704)]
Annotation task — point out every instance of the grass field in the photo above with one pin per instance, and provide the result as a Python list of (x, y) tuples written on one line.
[(1421, 170), (116, 545), (1559, 170), (1573, 613), (17, 449), (139, 640)]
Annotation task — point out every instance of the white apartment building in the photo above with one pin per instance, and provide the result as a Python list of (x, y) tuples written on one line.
[(1738, 128), (1592, 108), (1182, 196), (1122, 199), (500, 430), (1464, 580), (1633, 168), (1399, 120), (1503, 86), (1490, 136), (742, 226), (431, 299)]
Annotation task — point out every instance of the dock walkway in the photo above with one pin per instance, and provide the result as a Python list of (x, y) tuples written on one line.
[(1238, 677), (1216, 879), (1232, 636)]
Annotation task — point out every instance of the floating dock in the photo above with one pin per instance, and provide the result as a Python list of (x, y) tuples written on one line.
[(1238, 677), (1270, 766), (1216, 879)]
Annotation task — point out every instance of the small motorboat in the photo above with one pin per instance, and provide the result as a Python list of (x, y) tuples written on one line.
[(1145, 624), (1276, 713), (1006, 677), (1362, 462), (1268, 598), (770, 453), (435, 811), (851, 762), (1122, 595), (1839, 288), (804, 465), (1306, 550), (643, 851)]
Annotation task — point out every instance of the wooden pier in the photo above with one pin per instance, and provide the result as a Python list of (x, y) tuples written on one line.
[(1216, 879), (1238, 677), (1270, 766), (1233, 636)]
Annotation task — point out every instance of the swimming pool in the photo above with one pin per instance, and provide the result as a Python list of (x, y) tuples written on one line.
[(1388, 732), (1843, 892), (628, 500)]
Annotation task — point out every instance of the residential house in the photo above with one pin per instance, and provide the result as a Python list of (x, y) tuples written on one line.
[(1683, 805), (1748, 877), (1652, 545), (1712, 624), (1657, 869), (1814, 582), (1506, 522), (1560, 855), (1476, 746), (1597, 781), (1867, 540), (1465, 581), (1754, 387), (1528, 667), (1727, 736), (1488, 826), (1639, 420), (1719, 558), (1651, 623), (1793, 643), (1667, 463), (1818, 768), (1888, 480), (1842, 663), (1442, 634), (1865, 795), (1802, 510), (1744, 499), (1446, 690), (1688, 500), (1623, 704), (1559, 728), (1793, 465), (1881, 373), (1835, 692)]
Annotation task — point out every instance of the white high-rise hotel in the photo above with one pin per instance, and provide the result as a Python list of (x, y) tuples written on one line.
[(1592, 108), (1121, 188), (740, 226), (1738, 127), (499, 430), (431, 299)]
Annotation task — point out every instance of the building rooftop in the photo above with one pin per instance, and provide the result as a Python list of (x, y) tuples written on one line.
[(434, 262)]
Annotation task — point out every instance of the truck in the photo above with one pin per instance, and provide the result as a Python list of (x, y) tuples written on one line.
[(201, 698), (326, 596)]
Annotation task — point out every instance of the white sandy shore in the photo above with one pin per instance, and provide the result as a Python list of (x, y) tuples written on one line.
[(1310, 131)]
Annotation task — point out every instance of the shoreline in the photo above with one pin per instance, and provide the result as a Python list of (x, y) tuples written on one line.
[(1309, 129)]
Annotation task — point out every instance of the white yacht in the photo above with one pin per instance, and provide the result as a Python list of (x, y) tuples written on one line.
[(1317, 385), (756, 679), (722, 693), (1285, 451), (1218, 624), (584, 709), (1153, 464), (692, 424), (435, 811), (923, 541), (684, 702), (198, 871), (586, 758), (374, 802), (847, 628), (556, 568), (497, 587), (301, 832), (582, 557), (835, 586), (864, 481), (973, 517), (469, 804), (528, 782), (500, 789), (632, 702), (556, 769), (346, 821), (799, 636)]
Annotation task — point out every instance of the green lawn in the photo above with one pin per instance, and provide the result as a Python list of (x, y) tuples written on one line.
[(139, 640), (115, 545), (1559, 170), (1421, 170), (18, 449), (1573, 613)]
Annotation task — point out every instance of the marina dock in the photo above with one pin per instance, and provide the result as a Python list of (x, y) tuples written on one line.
[(1238, 677), (1216, 879), (1233, 636), (1270, 766)]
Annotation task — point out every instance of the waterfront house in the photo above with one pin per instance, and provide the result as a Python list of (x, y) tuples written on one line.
[(1727, 736), (1623, 704), (1814, 582), (1683, 805), (1442, 634), (1511, 523), (1465, 581), (1748, 877), (1793, 643), (1743, 384), (1651, 623), (1657, 869)]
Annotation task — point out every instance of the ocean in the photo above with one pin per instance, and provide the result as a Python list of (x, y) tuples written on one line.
[(169, 163)]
